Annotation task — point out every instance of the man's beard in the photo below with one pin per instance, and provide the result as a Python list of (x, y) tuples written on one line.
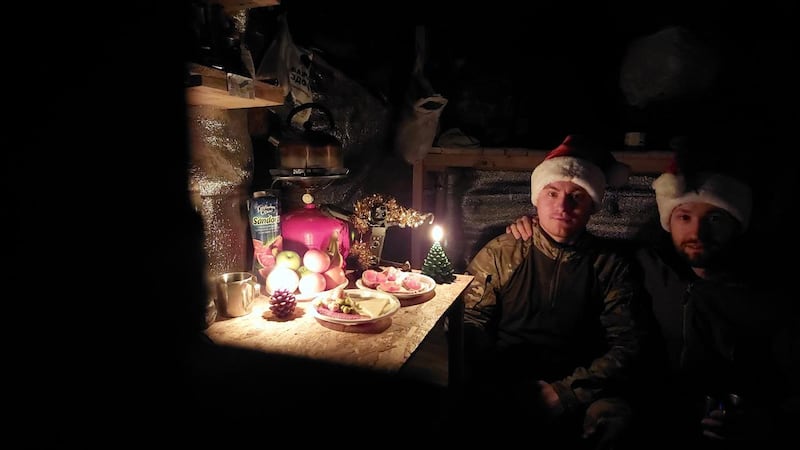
[(701, 260)]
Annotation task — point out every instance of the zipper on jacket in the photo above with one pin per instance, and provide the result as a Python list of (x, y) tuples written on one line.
[(684, 308)]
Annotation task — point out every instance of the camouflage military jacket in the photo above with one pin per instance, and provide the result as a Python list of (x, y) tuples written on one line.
[(564, 314)]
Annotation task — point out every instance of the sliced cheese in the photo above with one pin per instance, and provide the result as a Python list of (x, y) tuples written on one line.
[(373, 307)]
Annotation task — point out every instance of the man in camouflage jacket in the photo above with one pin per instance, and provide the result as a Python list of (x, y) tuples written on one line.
[(549, 321)]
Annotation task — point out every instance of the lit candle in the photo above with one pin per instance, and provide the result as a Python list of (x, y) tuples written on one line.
[(436, 264)]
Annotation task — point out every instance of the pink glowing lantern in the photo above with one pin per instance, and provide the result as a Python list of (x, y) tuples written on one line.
[(309, 228)]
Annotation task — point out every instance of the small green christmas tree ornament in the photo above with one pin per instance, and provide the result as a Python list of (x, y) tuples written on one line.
[(436, 264)]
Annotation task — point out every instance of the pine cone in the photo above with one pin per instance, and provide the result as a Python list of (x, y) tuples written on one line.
[(282, 303)]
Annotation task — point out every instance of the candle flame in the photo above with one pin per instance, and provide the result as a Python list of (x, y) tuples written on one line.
[(437, 233)]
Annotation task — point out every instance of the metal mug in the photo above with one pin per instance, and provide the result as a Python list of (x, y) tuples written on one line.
[(236, 292)]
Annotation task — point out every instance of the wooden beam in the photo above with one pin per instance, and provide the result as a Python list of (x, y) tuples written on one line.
[(651, 162), (417, 191), (238, 5), (520, 159)]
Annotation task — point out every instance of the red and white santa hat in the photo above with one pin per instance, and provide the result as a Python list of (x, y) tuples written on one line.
[(587, 166), (674, 188)]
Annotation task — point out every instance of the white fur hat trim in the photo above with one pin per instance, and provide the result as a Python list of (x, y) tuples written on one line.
[(715, 189), (566, 168)]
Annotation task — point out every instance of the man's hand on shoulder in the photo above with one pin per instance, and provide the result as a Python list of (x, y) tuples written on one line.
[(522, 228)]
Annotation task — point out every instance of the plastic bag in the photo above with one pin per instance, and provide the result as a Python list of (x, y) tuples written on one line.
[(419, 118), (289, 66)]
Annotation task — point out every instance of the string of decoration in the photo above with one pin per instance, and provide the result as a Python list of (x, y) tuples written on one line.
[(369, 210), (377, 210)]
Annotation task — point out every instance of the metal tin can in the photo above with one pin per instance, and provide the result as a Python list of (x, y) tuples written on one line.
[(264, 209)]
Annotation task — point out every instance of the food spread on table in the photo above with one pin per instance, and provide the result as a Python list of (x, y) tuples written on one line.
[(395, 281)]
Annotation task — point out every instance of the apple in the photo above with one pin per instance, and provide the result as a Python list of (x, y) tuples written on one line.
[(289, 259), (312, 283), (316, 260), (282, 277)]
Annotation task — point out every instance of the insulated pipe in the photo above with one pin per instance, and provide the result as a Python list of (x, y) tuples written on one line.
[(220, 175)]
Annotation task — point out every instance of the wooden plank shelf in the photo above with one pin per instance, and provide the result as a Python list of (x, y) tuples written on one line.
[(213, 87), (522, 159)]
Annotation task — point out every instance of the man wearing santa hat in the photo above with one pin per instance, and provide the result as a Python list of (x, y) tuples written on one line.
[(716, 327), (550, 328), (711, 355)]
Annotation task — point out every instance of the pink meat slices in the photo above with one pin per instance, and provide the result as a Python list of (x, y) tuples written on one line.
[(412, 283)]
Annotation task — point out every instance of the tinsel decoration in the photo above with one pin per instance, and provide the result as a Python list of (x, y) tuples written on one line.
[(381, 211), (360, 251), (437, 265), (395, 214)]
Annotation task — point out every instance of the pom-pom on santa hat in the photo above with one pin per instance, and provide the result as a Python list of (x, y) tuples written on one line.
[(587, 166), (673, 188)]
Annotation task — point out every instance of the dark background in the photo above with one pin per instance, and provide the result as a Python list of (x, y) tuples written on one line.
[(527, 75), (98, 221)]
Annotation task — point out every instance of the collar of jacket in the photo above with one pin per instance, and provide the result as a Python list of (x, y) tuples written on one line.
[(553, 249)]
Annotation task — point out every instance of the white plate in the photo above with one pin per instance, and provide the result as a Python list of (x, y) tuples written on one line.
[(391, 308), (428, 284)]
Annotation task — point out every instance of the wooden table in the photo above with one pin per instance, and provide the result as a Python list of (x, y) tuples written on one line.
[(383, 348)]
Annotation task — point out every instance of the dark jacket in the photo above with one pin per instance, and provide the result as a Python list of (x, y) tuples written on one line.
[(540, 310), (711, 338), (717, 334)]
